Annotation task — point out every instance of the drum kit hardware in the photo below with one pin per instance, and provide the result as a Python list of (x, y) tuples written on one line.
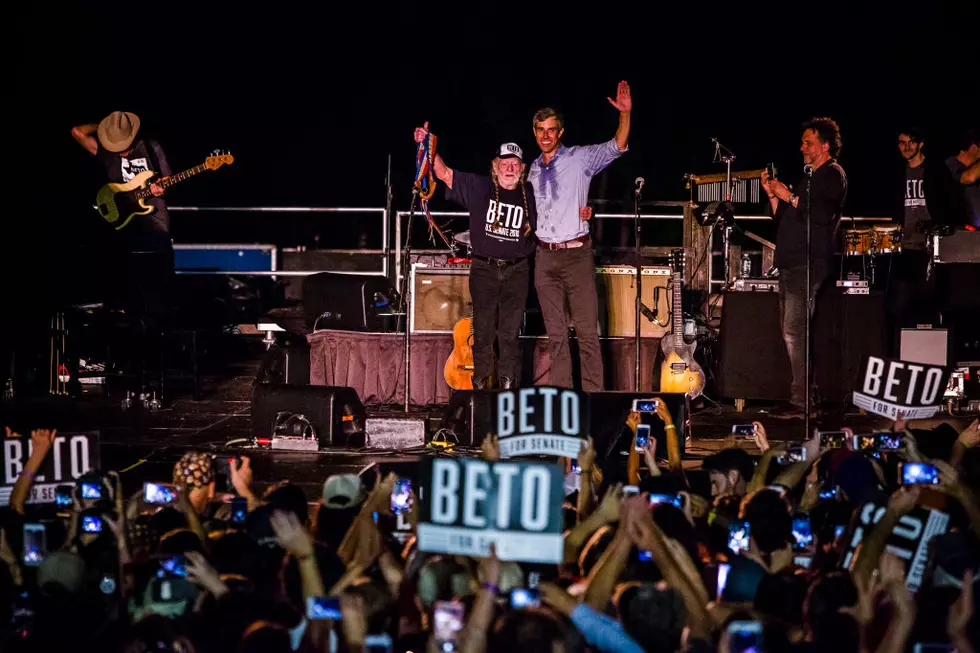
[(870, 243)]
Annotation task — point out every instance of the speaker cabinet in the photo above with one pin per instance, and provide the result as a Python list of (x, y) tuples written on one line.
[(928, 346), (335, 412), (440, 297), (752, 361), (347, 301), (616, 290)]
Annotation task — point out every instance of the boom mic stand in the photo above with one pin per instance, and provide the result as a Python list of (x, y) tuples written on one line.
[(727, 159), (808, 171), (406, 298), (639, 282)]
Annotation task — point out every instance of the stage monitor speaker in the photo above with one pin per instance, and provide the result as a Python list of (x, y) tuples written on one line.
[(616, 290), (335, 412), (440, 297), (928, 346), (846, 330), (752, 360), (469, 412), (347, 301), (286, 361)]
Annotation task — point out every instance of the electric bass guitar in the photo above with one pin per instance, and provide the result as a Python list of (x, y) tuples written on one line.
[(120, 203), (679, 371), (459, 365)]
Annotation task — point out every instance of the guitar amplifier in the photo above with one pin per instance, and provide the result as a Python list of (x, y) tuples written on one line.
[(616, 291), (440, 297), (756, 285)]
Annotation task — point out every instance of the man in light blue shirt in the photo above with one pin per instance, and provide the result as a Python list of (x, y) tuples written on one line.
[(564, 262)]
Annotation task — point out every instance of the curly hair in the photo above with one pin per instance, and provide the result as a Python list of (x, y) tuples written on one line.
[(828, 132)]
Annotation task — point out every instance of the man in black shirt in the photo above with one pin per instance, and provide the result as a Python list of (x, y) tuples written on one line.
[(820, 145), (148, 250), (502, 223)]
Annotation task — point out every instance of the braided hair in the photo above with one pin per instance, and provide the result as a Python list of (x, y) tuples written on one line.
[(496, 195)]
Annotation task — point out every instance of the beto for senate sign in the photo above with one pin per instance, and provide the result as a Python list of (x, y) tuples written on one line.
[(889, 386), (515, 505), (541, 420)]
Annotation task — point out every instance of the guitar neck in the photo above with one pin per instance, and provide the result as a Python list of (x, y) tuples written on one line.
[(172, 180), (678, 319)]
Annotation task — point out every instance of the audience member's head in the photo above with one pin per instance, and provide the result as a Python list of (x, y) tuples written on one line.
[(730, 470)]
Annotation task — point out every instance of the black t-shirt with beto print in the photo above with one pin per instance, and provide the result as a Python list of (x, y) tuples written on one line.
[(145, 232), (496, 231)]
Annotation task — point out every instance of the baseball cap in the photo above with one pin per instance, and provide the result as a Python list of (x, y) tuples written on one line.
[(342, 491), (509, 150)]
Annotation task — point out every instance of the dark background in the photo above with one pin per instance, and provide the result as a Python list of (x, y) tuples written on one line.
[(312, 100)]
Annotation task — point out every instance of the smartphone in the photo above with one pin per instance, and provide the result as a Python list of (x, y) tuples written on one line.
[(377, 643), (782, 490), (35, 544), (771, 170), (889, 441), (802, 561), (934, 647), (323, 607), (158, 493), (746, 430), (642, 437), (744, 637), (91, 524), (864, 443), (673, 499), (832, 439), (174, 566), (447, 621), (793, 455), (838, 531), (239, 510), (533, 579), (401, 496), (723, 569), (645, 405), (63, 496), (738, 536), (802, 535), (91, 491), (629, 490), (918, 473), (829, 493), (522, 597), (576, 468), (645, 556)]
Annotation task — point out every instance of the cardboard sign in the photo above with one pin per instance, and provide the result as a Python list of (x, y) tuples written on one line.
[(541, 420), (71, 455), (889, 386), (909, 539), (515, 505)]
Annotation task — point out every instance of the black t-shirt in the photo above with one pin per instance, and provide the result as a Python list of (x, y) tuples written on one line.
[(145, 232), (829, 185), (496, 231)]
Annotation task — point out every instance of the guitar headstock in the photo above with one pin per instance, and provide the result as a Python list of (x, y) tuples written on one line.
[(677, 260), (218, 158)]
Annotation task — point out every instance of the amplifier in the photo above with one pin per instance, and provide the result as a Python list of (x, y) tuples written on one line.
[(440, 297), (960, 247), (616, 291), (756, 285)]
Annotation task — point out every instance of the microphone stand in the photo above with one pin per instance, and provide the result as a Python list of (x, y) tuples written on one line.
[(639, 285), (727, 159), (808, 170), (406, 298)]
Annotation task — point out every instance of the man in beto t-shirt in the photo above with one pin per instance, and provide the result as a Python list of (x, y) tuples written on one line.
[(502, 222)]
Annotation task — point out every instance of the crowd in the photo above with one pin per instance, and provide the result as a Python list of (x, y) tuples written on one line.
[(748, 553)]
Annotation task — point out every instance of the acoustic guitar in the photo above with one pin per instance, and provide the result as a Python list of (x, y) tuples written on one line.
[(679, 371), (459, 365), (120, 203)]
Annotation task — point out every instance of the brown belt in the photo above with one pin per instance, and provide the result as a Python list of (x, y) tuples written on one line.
[(568, 244)]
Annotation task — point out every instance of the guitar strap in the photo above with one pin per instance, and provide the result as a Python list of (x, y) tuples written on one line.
[(425, 182)]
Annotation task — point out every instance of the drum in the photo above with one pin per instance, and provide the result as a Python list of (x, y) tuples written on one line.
[(887, 239), (461, 243), (857, 242)]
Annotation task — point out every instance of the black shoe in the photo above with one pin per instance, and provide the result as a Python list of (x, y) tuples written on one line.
[(506, 383), (481, 384)]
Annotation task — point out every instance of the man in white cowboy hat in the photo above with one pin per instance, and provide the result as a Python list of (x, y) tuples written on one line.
[(123, 152)]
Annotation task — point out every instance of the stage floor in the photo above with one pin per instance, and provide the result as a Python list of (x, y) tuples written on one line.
[(146, 444)]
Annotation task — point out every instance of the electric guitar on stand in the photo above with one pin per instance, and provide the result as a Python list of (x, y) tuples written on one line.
[(679, 371), (120, 203), (459, 365)]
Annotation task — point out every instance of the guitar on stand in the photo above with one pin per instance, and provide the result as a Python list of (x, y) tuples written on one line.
[(679, 371)]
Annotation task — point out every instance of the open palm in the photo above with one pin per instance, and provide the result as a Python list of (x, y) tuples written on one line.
[(623, 101)]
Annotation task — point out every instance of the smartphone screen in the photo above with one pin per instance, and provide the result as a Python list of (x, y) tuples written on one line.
[(62, 496), (377, 644), (771, 170), (175, 566), (919, 473), (642, 437), (645, 405), (802, 536), (865, 442), (447, 622), (91, 491), (888, 441), (830, 493), (744, 637), (833, 439), (91, 524), (524, 598), (793, 455), (673, 499), (158, 493), (631, 489), (576, 468), (744, 429), (239, 510), (738, 536), (723, 569), (35, 545), (323, 607), (401, 497)]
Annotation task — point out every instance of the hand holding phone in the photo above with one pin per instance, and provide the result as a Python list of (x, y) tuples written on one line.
[(35, 544), (401, 496), (744, 430), (159, 493), (642, 438), (744, 637), (771, 170), (918, 474)]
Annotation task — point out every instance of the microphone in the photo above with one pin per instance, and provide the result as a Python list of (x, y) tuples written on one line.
[(808, 170), (639, 181)]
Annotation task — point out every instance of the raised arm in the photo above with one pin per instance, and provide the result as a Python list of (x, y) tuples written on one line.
[(624, 104), (85, 135), (443, 172)]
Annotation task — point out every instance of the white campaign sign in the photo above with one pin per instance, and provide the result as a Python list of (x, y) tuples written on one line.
[(541, 420), (889, 386)]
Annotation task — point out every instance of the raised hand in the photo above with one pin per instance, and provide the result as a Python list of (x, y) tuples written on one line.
[(970, 436), (199, 571), (623, 101), (241, 475), (760, 438), (611, 504), (961, 611), (421, 133), (291, 534), (586, 456), (490, 448)]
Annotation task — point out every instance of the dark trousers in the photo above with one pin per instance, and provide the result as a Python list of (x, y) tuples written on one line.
[(792, 313), (499, 295), (570, 274), (910, 297)]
